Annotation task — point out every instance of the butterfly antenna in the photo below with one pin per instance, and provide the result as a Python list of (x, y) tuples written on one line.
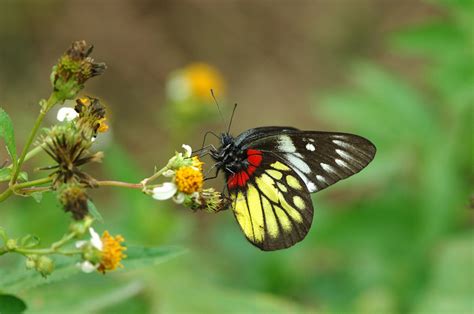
[(217, 104), (231, 118)]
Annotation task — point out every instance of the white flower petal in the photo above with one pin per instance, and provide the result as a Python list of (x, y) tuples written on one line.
[(168, 173), (66, 114), (80, 244), (179, 198), (96, 241), (188, 150), (164, 192), (87, 267), (178, 88)]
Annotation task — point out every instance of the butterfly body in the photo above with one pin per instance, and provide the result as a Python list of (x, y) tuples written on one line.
[(271, 171)]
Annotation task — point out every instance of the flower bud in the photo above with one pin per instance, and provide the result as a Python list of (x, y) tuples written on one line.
[(74, 199), (44, 265), (30, 262), (11, 244)]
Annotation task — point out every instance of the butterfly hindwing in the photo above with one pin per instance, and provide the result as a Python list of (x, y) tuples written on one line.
[(272, 205)]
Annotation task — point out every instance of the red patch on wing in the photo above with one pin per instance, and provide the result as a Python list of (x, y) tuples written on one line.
[(254, 159)]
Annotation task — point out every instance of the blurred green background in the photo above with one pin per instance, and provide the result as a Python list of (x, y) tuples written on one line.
[(396, 238)]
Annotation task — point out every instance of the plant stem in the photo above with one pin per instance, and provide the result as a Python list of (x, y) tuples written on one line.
[(52, 100), (120, 184), (153, 177), (8, 192)]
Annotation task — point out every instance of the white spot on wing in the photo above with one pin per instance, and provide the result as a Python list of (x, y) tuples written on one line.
[(311, 187), (298, 163), (321, 179), (285, 144), (342, 163), (311, 140), (310, 147), (344, 154), (327, 167), (342, 144)]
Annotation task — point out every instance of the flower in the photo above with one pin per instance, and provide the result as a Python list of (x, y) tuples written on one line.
[(112, 253), (195, 81), (92, 119), (68, 147), (66, 114), (73, 69), (202, 78), (186, 174), (102, 253), (189, 179), (209, 200), (166, 191)]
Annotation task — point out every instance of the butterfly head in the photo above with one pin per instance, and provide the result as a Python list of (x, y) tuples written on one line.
[(228, 156)]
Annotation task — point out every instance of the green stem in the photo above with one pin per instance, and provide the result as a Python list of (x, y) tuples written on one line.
[(8, 192), (31, 154), (52, 100), (153, 177)]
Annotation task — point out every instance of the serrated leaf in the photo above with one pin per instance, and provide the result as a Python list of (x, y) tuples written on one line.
[(11, 304), (6, 132), (94, 211)]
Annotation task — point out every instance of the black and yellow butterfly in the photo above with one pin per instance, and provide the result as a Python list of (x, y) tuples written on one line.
[(271, 171)]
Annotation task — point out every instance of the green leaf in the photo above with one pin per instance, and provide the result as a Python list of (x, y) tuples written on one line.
[(5, 174), (6, 132), (23, 176), (143, 256), (37, 196), (94, 211), (11, 304), (66, 267)]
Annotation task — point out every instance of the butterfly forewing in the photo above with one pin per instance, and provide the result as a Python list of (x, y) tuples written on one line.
[(320, 158)]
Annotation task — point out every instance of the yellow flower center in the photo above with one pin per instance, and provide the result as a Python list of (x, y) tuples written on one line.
[(202, 78), (197, 163), (112, 252), (189, 179)]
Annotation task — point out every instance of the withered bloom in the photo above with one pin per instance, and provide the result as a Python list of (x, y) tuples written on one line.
[(69, 149), (91, 119), (74, 200), (208, 200), (74, 68)]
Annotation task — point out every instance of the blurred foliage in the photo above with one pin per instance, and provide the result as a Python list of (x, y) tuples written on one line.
[(396, 238)]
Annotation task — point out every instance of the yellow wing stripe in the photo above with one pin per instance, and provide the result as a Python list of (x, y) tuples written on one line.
[(243, 216), (253, 200), (271, 223)]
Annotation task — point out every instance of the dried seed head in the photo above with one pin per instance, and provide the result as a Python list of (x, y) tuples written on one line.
[(74, 199)]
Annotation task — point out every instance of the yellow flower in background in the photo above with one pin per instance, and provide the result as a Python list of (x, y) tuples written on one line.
[(101, 253), (112, 252), (202, 78), (195, 82)]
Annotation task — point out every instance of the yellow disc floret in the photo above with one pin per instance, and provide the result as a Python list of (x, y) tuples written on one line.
[(112, 253), (189, 179), (197, 163), (103, 126)]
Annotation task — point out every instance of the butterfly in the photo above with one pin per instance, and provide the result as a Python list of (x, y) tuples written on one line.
[(271, 171)]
